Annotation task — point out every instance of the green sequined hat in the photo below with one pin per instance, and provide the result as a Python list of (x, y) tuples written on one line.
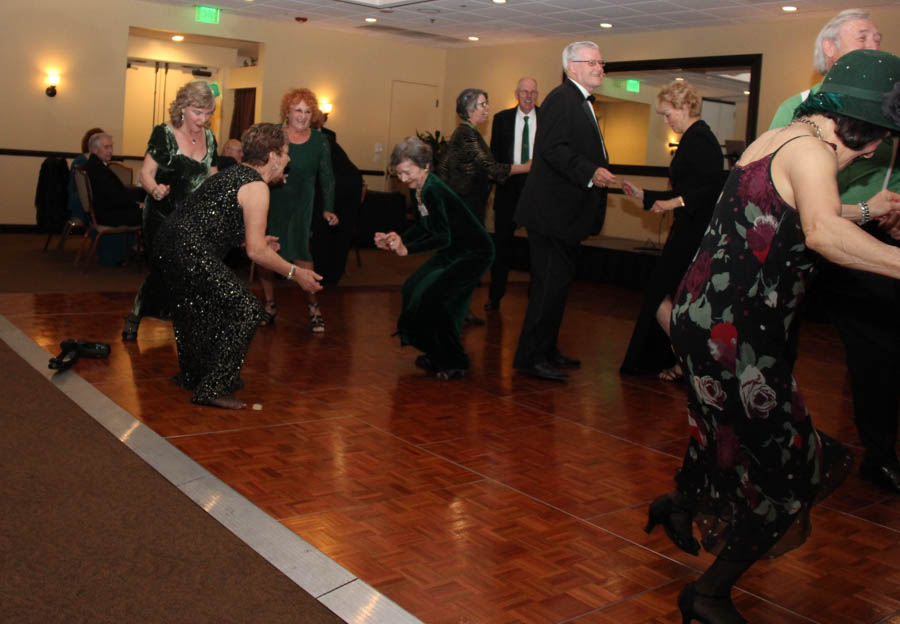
[(866, 84)]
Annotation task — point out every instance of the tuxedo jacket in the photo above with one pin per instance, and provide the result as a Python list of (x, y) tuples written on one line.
[(568, 148), (503, 133)]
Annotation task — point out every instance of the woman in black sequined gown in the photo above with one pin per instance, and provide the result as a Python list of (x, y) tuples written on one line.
[(214, 314)]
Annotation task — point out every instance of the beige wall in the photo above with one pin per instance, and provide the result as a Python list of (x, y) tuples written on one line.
[(87, 43), (786, 46)]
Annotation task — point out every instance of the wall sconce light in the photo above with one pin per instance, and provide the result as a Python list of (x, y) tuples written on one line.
[(326, 107), (52, 82)]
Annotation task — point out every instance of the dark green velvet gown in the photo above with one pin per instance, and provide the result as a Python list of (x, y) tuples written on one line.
[(183, 175), (436, 297), (292, 205)]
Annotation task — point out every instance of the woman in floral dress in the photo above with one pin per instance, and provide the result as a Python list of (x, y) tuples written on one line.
[(755, 464)]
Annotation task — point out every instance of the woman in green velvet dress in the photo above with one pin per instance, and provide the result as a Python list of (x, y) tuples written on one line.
[(179, 158), (292, 204), (436, 297)]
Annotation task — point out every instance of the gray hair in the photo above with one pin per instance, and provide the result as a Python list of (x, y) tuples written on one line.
[(466, 100), (831, 32), (95, 139), (569, 51), (411, 149)]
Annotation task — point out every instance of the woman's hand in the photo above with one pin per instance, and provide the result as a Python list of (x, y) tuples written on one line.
[(330, 217), (272, 242), (883, 203), (632, 190), (390, 242), (307, 280), (160, 191), (664, 205)]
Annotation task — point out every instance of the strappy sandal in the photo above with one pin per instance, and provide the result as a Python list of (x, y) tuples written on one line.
[(449, 374), (269, 314), (129, 332), (673, 374), (316, 322)]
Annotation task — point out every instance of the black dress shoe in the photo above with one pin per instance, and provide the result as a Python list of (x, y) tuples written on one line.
[(492, 306), (886, 476), (472, 320), (561, 361), (544, 370)]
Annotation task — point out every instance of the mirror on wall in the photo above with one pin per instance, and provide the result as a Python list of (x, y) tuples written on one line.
[(637, 137)]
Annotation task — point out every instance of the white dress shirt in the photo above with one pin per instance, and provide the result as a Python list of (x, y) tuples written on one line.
[(517, 134)]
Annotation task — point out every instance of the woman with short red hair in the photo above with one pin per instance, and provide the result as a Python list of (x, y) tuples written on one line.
[(292, 207)]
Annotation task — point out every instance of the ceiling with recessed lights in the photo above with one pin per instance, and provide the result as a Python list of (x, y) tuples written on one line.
[(451, 23)]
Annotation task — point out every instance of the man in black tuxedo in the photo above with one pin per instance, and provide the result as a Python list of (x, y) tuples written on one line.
[(512, 141), (114, 203), (564, 202)]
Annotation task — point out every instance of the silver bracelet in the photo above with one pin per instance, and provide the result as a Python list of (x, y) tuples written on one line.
[(290, 274), (866, 215)]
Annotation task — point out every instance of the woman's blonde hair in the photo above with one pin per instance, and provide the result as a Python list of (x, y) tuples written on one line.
[(195, 93), (679, 94), (295, 96)]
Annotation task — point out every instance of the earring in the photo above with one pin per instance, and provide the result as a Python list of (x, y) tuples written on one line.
[(182, 116)]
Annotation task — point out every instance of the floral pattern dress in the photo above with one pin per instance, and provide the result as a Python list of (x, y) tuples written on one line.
[(755, 464)]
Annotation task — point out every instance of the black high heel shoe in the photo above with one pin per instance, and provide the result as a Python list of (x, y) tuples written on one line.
[(129, 332), (661, 512), (68, 355), (707, 609)]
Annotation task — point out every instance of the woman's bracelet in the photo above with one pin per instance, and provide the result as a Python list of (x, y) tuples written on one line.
[(290, 274), (866, 215)]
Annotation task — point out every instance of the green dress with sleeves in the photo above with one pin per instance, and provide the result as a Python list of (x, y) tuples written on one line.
[(292, 205), (437, 295), (183, 175)]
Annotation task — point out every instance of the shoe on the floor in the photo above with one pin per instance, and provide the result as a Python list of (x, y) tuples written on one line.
[(561, 361), (883, 475), (316, 322), (449, 374), (472, 320), (544, 370), (424, 362)]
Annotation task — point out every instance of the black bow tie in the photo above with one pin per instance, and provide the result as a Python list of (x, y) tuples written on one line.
[(590, 99)]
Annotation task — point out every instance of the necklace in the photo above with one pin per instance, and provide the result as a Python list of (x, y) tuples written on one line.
[(814, 125)]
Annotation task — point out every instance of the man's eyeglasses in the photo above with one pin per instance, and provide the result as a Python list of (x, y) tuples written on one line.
[(592, 63)]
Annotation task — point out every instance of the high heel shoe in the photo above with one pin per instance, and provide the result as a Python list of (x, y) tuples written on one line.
[(316, 322), (707, 609), (661, 512), (270, 312), (129, 332)]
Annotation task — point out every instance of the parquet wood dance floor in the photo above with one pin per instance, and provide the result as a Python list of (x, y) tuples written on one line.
[(493, 499)]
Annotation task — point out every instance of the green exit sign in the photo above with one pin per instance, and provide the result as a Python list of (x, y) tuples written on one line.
[(206, 14), (633, 85)]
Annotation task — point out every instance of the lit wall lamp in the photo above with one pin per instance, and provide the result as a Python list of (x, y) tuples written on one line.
[(325, 106), (52, 82)]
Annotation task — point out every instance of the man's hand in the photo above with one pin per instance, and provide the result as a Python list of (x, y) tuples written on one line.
[(603, 177)]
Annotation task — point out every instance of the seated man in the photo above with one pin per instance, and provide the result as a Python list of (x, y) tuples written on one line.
[(232, 154), (114, 203)]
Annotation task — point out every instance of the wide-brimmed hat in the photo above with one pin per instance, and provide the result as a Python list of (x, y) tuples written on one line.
[(867, 86)]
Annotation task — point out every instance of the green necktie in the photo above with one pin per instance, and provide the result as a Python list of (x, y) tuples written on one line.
[(526, 156)]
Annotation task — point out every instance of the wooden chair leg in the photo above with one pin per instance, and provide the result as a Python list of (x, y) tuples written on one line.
[(84, 240), (252, 271), (64, 237), (90, 256)]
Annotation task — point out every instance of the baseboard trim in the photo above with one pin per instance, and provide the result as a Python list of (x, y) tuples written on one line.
[(19, 228)]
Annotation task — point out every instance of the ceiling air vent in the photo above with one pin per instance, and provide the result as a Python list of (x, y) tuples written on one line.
[(412, 34)]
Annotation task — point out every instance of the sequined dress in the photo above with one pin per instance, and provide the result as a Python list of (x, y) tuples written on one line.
[(755, 464), (213, 312)]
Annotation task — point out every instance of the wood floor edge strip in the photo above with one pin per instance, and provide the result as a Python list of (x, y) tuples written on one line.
[(334, 586)]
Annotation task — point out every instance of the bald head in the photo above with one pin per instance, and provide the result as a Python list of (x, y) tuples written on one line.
[(234, 149), (526, 94)]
